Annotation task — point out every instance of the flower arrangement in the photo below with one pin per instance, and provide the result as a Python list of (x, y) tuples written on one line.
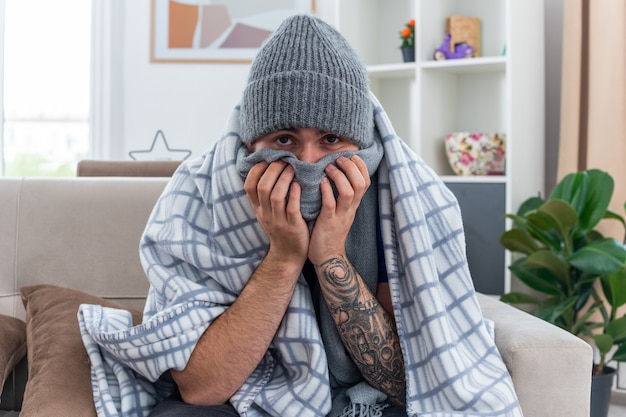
[(407, 35)]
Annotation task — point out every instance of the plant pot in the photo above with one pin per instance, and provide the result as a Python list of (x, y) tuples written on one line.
[(408, 53), (601, 387)]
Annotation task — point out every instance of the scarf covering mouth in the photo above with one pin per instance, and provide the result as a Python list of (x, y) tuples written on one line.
[(200, 247), (309, 175)]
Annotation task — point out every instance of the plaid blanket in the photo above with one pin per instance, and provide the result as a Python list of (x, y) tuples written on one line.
[(201, 245)]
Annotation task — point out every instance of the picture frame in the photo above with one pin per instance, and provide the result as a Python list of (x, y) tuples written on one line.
[(216, 31)]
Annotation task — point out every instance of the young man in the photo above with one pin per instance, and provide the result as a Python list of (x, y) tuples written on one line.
[(308, 265)]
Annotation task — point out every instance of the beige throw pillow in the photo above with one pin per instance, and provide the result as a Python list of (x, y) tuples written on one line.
[(59, 376)]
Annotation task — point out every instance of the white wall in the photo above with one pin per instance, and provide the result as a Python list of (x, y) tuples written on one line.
[(189, 102)]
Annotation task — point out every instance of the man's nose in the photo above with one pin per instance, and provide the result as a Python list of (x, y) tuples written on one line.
[(309, 154)]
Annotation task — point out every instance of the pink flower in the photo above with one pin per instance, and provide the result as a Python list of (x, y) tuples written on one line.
[(466, 158)]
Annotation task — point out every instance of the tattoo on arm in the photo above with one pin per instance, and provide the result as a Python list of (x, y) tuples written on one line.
[(366, 329)]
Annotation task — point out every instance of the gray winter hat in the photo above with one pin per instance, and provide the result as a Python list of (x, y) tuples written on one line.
[(307, 75)]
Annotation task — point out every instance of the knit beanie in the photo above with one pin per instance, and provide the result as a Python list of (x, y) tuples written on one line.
[(307, 75)]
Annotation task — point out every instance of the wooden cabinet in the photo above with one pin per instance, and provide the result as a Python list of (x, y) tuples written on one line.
[(500, 91)]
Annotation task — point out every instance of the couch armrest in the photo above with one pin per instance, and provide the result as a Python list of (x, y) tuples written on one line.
[(551, 368)]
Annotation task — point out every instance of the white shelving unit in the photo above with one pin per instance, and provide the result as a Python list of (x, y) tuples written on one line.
[(501, 91)]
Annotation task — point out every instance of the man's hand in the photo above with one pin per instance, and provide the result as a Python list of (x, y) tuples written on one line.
[(267, 187), (331, 229)]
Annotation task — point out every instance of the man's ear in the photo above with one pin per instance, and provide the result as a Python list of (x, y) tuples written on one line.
[(249, 147)]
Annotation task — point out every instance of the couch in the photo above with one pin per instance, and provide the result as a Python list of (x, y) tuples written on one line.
[(64, 242)]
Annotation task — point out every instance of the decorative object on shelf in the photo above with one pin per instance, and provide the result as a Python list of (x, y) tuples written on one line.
[(462, 39), (460, 50), (407, 35), (159, 155), (476, 153), (408, 54), (577, 276)]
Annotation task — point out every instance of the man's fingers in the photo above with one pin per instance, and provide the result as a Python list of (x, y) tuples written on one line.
[(266, 183), (293, 205), (328, 197), (252, 181), (356, 171), (278, 195)]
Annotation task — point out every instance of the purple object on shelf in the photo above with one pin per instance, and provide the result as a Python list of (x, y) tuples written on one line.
[(461, 50)]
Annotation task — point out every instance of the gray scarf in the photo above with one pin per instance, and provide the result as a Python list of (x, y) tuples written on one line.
[(308, 175)]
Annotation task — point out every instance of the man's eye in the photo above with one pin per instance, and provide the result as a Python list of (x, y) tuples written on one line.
[(283, 140), (332, 139)]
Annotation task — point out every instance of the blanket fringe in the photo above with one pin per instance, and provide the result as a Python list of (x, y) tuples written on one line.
[(363, 410)]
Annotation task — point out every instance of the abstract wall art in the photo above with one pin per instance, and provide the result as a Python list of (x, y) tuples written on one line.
[(214, 30)]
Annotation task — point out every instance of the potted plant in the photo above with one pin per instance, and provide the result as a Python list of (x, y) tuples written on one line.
[(407, 36), (577, 275)]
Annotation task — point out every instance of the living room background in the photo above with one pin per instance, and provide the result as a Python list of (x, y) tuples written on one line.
[(133, 98)]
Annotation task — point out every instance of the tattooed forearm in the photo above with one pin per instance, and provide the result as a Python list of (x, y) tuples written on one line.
[(367, 330)]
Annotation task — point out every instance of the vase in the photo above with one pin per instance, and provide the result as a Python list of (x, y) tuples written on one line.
[(476, 153), (601, 387), (408, 53)]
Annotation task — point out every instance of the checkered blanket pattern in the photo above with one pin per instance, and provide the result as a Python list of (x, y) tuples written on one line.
[(201, 245)]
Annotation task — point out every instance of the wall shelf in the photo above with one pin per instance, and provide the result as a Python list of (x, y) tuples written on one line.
[(427, 99), (404, 70), (479, 179), (460, 66)]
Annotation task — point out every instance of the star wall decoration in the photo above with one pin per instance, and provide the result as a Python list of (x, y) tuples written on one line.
[(159, 150)]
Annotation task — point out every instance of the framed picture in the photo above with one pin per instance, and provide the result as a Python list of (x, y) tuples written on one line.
[(214, 30)]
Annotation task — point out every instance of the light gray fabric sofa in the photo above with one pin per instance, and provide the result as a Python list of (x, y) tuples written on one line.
[(68, 241)]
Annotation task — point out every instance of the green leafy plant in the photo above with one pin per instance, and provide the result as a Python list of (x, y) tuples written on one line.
[(578, 273), (407, 35)]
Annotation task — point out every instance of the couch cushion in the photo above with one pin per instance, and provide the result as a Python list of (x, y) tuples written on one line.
[(12, 345), (59, 382), (80, 233)]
